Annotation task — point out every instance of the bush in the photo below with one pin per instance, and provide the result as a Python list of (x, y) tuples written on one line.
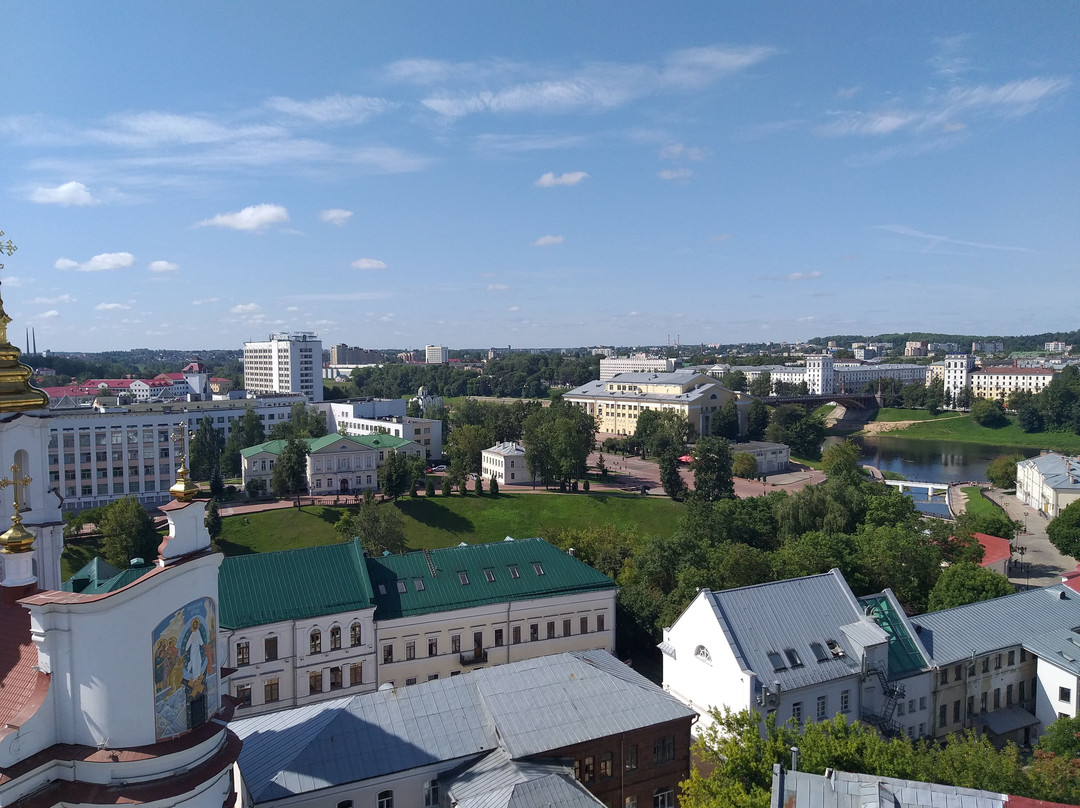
[(493, 487), (585, 486), (988, 413), (744, 465), (480, 486), (429, 487), (446, 487), (255, 488)]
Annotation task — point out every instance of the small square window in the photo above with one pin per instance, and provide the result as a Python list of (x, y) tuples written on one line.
[(514, 572), (538, 568), (490, 576), (464, 578), (1065, 694)]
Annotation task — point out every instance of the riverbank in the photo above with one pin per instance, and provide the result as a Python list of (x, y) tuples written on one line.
[(962, 429)]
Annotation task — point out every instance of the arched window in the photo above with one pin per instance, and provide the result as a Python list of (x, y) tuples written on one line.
[(335, 638), (356, 635), (386, 799), (702, 653), (315, 641)]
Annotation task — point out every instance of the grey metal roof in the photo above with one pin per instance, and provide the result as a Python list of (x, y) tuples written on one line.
[(532, 707), (952, 635), (846, 790), (1060, 472), (507, 448), (780, 615), (550, 702), (1060, 648), (346, 740), (598, 389), (1006, 720), (497, 781)]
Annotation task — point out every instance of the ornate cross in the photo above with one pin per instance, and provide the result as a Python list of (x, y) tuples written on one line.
[(16, 480), (182, 435)]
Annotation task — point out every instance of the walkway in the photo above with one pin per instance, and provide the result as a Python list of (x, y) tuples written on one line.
[(1042, 563)]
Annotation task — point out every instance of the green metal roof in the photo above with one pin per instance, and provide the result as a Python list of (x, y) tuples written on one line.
[(439, 572), (382, 441), (904, 655), (272, 446), (293, 584), (379, 441), (99, 577)]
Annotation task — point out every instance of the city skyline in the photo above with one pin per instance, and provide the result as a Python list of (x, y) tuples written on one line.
[(556, 176)]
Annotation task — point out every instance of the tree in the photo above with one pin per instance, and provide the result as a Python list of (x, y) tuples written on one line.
[(465, 446), (601, 466), (304, 422), (792, 425), (558, 440), (761, 386), (378, 527), (670, 479), (205, 450), (255, 487), (230, 460), (712, 469), (429, 487), (963, 399), (447, 486), (128, 532), (217, 485), (966, 583), (1029, 418), (841, 459), (744, 465), (290, 469), (395, 475), (659, 430), (251, 429), (734, 380), (757, 420), (725, 421), (988, 413), (1002, 470), (213, 519), (493, 487), (1064, 530)]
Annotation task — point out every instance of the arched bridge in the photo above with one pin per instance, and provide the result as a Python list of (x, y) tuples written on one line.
[(856, 401)]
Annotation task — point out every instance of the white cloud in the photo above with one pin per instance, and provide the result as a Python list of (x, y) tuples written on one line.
[(342, 296), (368, 263), (498, 287), (47, 315), (802, 276), (163, 266), (546, 241), (550, 179), (70, 193), (253, 218), (332, 108), (104, 261), (14, 281), (679, 151), (204, 301), (514, 308), (292, 308), (675, 174), (111, 307), (721, 237), (336, 216), (47, 301), (847, 93), (245, 308)]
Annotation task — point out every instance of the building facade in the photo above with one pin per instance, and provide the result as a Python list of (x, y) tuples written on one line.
[(999, 383), (436, 354), (287, 362), (384, 417), (505, 463), (1048, 483), (957, 374), (610, 367)]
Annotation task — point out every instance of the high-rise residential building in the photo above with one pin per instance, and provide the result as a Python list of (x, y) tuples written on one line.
[(958, 368), (288, 362), (436, 354)]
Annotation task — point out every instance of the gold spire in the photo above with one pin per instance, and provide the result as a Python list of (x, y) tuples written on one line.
[(183, 490), (16, 392), (17, 539)]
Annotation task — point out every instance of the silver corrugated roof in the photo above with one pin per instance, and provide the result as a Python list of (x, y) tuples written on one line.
[(1059, 472), (773, 617), (1061, 648), (846, 790), (497, 781), (953, 635)]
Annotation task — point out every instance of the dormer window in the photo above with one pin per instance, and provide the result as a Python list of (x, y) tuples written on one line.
[(702, 653), (793, 658)]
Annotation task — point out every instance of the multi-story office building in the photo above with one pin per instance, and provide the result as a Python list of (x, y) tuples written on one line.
[(382, 416), (958, 368), (436, 354), (349, 355), (285, 363), (610, 367)]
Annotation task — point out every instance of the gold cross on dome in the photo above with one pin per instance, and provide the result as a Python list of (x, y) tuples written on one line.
[(182, 435), (16, 480)]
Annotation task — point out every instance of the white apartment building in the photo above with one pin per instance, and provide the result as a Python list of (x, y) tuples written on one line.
[(611, 366), (958, 368), (998, 383), (436, 354), (287, 362), (505, 463), (1048, 483), (1055, 347), (825, 375), (385, 416)]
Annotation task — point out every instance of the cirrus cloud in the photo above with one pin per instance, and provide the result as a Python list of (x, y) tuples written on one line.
[(368, 263), (99, 263), (547, 241), (253, 218), (111, 307), (498, 287), (70, 193), (551, 180), (675, 174)]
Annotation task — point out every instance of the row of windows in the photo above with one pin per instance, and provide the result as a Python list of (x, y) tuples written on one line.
[(822, 707), (585, 770), (910, 705), (1009, 660), (315, 643)]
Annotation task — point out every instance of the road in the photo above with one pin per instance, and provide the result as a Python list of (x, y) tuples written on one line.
[(1047, 565)]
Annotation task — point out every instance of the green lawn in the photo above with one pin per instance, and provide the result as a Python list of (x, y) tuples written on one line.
[(890, 414), (964, 430), (446, 521), (977, 504)]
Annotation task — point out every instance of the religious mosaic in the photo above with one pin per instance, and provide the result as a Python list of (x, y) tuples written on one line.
[(185, 668)]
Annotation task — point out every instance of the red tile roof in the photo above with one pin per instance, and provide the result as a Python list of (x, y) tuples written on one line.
[(995, 549), (22, 686), (1072, 579)]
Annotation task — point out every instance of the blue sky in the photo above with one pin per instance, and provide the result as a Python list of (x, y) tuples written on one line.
[(537, 174)]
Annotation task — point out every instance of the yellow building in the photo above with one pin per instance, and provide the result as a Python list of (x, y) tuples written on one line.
[(1001, 382)]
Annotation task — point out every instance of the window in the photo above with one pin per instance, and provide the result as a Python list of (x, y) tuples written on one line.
[(1012, 658), (922, 702), (432, 677), (498, 638), (410, 681), (418, 584), (971, 706), (663, 797), (270, 690), (433, 646), (956, 711), (584, 624), (822, 707), (588, 770), (356, 634), (600, 622), (335, 638), (515, 634), (566, 627), (1008, 695), (551, 629), (796, 712), (943, 677), (464, 578), (776, 661), (345, 804), (385, 799), (793, 658), (335, 678), (538, 568), (631, 757), (534, 632), (356, 674), (315, 641), (986, 665), (410, 649), (388, 653), (664, 749), (243, 656), (982, 702), (1065, 694), (243, 695), (1022, 691), (943, 715), (819, 652), (514, 572), (900, 707), (490, 576), (455, 643), (845, 701), (605, 764), (957, 672), (1023, 655), (997, 698), (631, 801), (315, 682), (431, 793), (401, 588), (997, 662)]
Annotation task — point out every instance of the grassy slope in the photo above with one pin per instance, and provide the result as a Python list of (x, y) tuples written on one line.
[(964, 430), (890, 414)]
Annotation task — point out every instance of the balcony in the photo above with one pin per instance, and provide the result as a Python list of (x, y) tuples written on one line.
[(477, 656)]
